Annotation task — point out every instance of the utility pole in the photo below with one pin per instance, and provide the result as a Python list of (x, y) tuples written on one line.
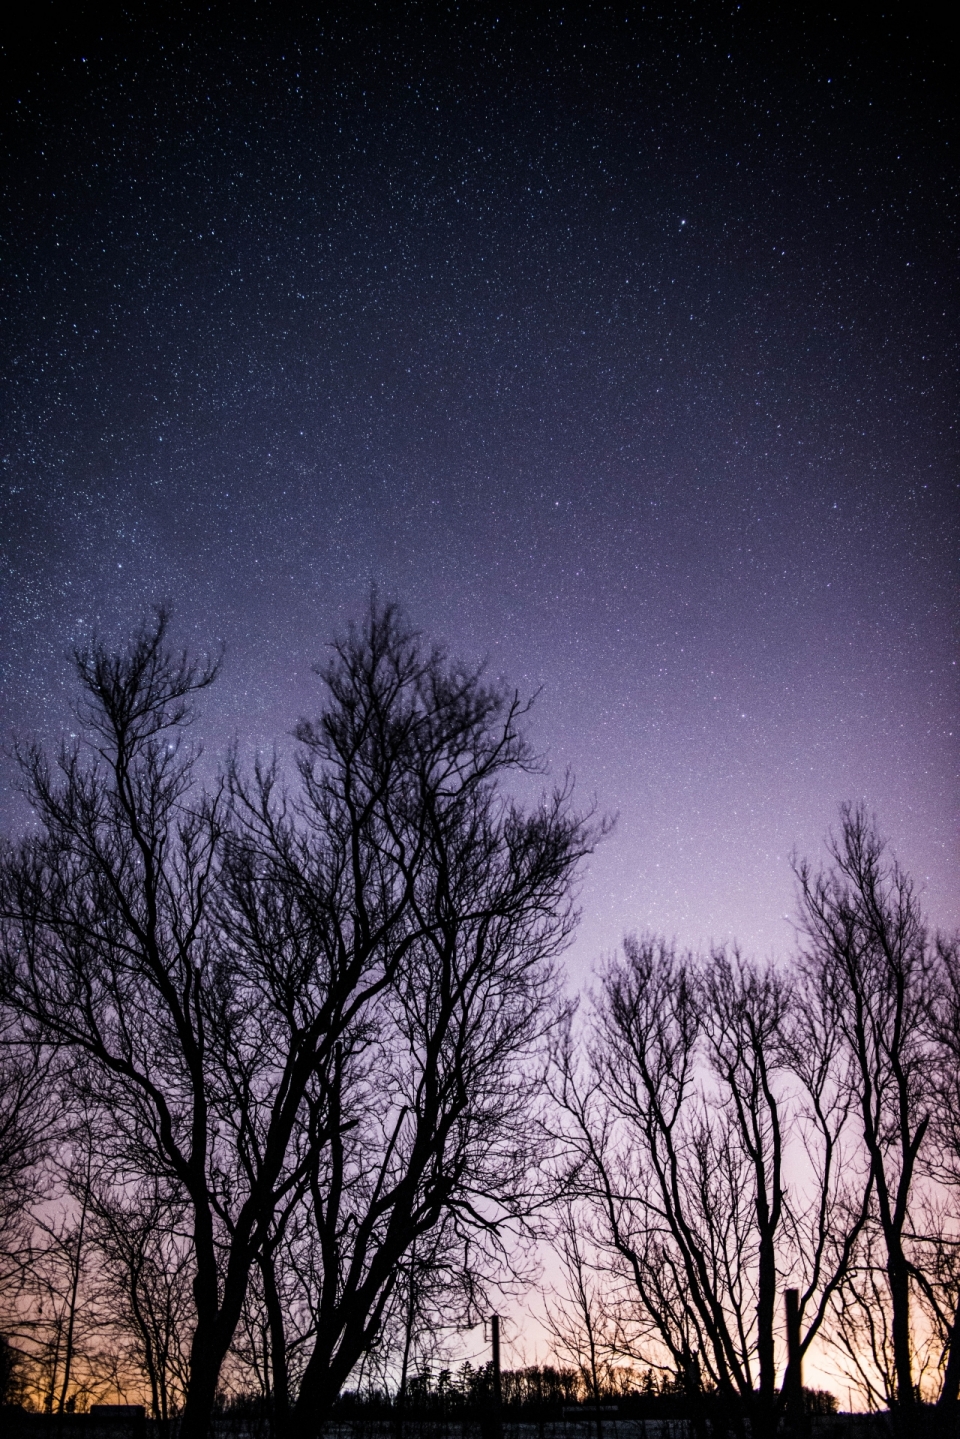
[(496, 1421), (793, 1380)]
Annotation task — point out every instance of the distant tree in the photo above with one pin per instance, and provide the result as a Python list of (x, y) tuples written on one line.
[(56, 1328), (945, 1163), (27, 1137), (11, 1383), (143, 1287), (539, 1387), (576, 1316), (819, 1401), (695, 1074), (868, 947), (28, 1131)]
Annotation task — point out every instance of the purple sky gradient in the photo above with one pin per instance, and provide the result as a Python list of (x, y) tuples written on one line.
[(621, 350)]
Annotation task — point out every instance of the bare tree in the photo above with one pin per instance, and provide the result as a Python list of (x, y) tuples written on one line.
[(941, 1226), (108, 954), (576, 1317), (407, 863), (143, 1287), (112, 953), (442, 1289), (27, 1132), (329, 1003), (695, 1074), (868, 947), (860, 1331), (27, 1135), (56, 1326)]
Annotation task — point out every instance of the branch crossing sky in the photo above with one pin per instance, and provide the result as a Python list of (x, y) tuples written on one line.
[(618, 343)]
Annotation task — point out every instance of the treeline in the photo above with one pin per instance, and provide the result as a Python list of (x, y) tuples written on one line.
[(538, 1392), (542, 1389), (291, 1090), (743, 1130)]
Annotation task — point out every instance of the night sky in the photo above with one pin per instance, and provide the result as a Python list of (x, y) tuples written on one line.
[(620, 346)]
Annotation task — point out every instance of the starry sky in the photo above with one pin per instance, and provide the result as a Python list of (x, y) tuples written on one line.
[(618, 343)]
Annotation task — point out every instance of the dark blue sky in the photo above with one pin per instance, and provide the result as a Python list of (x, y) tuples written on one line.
[(619, 345)]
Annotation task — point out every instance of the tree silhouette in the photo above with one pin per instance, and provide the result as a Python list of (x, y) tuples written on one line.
[(308, 1014)]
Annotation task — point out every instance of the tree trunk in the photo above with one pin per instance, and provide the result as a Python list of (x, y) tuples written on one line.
[(206, 1358), (318, 1393), (278, 1345), (950, 1392), (74, 1290), (763, 1421), (796, 1417), (898, 1279), (211, 1342)]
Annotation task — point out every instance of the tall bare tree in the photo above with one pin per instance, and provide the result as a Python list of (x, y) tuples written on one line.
[(109, 956), (114, 953), (868, 947), (406, 859), (329, 1000), (940, 1274), (694, 1075)]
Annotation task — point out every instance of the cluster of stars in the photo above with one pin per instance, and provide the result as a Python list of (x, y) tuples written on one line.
[(618, 350)]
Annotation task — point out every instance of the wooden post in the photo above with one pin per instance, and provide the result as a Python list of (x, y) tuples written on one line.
[(496, 1425), (793, 1380)]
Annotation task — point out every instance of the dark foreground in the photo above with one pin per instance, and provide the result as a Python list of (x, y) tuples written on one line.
[(16, 1423)]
